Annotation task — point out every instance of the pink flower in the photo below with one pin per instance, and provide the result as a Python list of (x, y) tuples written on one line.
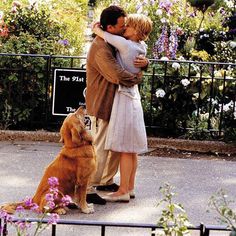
[(179, 31), (66, 200), (16, 4), (20, 208), (161, 45), (14, 9), (166, 5), (51, 204), (53, 181), (23, 226), (53, 218), (34, 207), (173, 44), (64, 42), (54, 190), (3, 214), (28, 201), (3, 30), (49, 197)]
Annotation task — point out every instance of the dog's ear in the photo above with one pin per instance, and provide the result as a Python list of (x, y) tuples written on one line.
[(76, 135), (80, 112)]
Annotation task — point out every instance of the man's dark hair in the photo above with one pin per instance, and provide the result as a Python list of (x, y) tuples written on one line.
[(110, 16)]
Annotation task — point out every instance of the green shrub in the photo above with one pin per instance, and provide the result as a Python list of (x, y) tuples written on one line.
[(38, 28), (174, 219)]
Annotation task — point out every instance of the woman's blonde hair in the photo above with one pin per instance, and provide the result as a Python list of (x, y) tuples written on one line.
[(141, 23)]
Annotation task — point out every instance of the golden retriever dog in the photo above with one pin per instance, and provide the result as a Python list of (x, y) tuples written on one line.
[(73, 167)]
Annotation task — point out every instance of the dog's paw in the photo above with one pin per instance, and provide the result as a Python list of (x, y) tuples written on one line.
[(60, 211), (90, 205), (88, 210)]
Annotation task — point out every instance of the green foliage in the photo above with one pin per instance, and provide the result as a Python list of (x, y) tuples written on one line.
[(39, 28), (229, 125), (73, 14), (186, 101), (173, 220), (189, 22), (192, 30), (57, 27), (220, 203), (172, 97), (6, 116)]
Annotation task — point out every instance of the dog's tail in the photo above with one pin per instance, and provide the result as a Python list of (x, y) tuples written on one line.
[(10, 208)]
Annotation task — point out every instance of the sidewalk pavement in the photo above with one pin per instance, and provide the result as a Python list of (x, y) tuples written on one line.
[(22, 164)]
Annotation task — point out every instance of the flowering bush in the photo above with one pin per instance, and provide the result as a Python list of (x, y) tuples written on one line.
[(47, 19), (172, 96), (22, 226), (34, 27), (180, 28), (181, 95), (28, 30)]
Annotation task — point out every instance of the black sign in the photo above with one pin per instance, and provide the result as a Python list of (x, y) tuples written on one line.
[(69, 89)]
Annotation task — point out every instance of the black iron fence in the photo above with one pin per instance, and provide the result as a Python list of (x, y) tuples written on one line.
[(190, 96), (204, 230), (179, 97)]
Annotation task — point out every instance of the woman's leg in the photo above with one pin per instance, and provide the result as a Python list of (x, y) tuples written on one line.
[(126, 169), (133, 173)]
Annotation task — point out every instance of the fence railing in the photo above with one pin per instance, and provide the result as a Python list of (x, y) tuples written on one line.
[(190, 95), (204, 230), (177, 96)]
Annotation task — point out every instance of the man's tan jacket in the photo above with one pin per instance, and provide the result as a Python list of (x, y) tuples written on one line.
[(103, 75)]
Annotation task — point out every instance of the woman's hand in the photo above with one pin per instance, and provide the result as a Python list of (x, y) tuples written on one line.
[(95, 26), (141, 62), (97, 29)]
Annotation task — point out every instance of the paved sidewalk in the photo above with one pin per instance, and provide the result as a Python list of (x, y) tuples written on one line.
[(22, 164)]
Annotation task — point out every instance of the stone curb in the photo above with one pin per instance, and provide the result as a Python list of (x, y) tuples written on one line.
[(193, 145), (13, 135), (176, 144)]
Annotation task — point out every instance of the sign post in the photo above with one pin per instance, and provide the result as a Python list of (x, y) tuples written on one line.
[(69, 90)]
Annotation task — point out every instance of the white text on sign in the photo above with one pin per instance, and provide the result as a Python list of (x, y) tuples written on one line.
[(73, 78)]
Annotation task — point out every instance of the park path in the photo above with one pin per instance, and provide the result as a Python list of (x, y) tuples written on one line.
[(22, 164)]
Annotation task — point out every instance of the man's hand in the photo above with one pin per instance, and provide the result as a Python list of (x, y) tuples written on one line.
[(139, 77), (141, 61)]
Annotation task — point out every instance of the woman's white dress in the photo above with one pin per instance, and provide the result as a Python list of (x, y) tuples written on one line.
[(126, 130)]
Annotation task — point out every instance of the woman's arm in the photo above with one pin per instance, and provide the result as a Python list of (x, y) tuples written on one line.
[(110, 69), (97, 30), (117, 41)]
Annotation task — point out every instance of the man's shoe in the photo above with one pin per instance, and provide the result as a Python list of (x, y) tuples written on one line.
[(121, 198), (110, 188), (95, 199), (72, 205)]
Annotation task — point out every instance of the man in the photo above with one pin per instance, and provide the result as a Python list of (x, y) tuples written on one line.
[(103, 76)]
